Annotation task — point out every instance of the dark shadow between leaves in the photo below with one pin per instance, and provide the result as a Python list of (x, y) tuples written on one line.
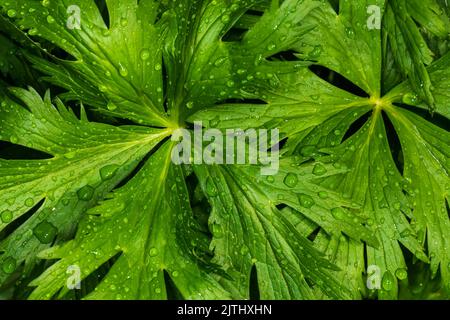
[(92, 281), (289, 55), (10, 228), (103, 10), (357, 125), (394, 143), (337, 80), (172, 291), (9, 151), (254, 292)]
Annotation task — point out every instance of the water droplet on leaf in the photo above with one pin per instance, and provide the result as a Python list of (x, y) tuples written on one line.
[(107, 172), (29, 202), (9, 265), (86, 193), (350, 32), (45, 232), (319, 170), (306, 200), (153, 252), (401, 273), (123, 71), (123, 22), (50, 19), (225, 18), (387, 283), (7, 216), (291, 180), (211, 189), (323, 194), (316, 52), (410, 99), (338, 213), (11, 13), (145, 54)]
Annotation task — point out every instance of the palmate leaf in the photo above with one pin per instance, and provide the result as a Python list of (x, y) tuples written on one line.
[(375, 179), (86, 160), (106, 74), (201, 78), (408, 46), (249, 229), (185, 61), (13, 65), (144, 226)]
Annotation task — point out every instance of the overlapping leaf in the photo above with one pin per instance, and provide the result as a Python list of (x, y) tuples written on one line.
[(86, 160), (180, 64)]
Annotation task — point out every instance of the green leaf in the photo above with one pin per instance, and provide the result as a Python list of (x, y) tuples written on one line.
[(439, 74), (408, 46), (426, 150), (144, 227), (105, 70), (362, 183), (72, 180), (248, 230)]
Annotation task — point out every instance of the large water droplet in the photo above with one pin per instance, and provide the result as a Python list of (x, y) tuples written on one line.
[(33, 31), (45, 232), (29, 202), (244, 250), (220, 61), (111, 106), (11, 13), (153, 252), (225, 18), (217, 231), (338, 213), (350, 32), (9, 265), (411, 99), (401, 273), (271, 47), (7, 216), (316, 52), (291, 180), (86, 193), (70, 155), (306, 200), (107, 172), (123, 22), (13, 139), (230, 83), (319, 170), (50, 19), (270, 179), (122, 70), (211, 189), (387, 283), (145, 54), (308, 151), (323, 195)]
